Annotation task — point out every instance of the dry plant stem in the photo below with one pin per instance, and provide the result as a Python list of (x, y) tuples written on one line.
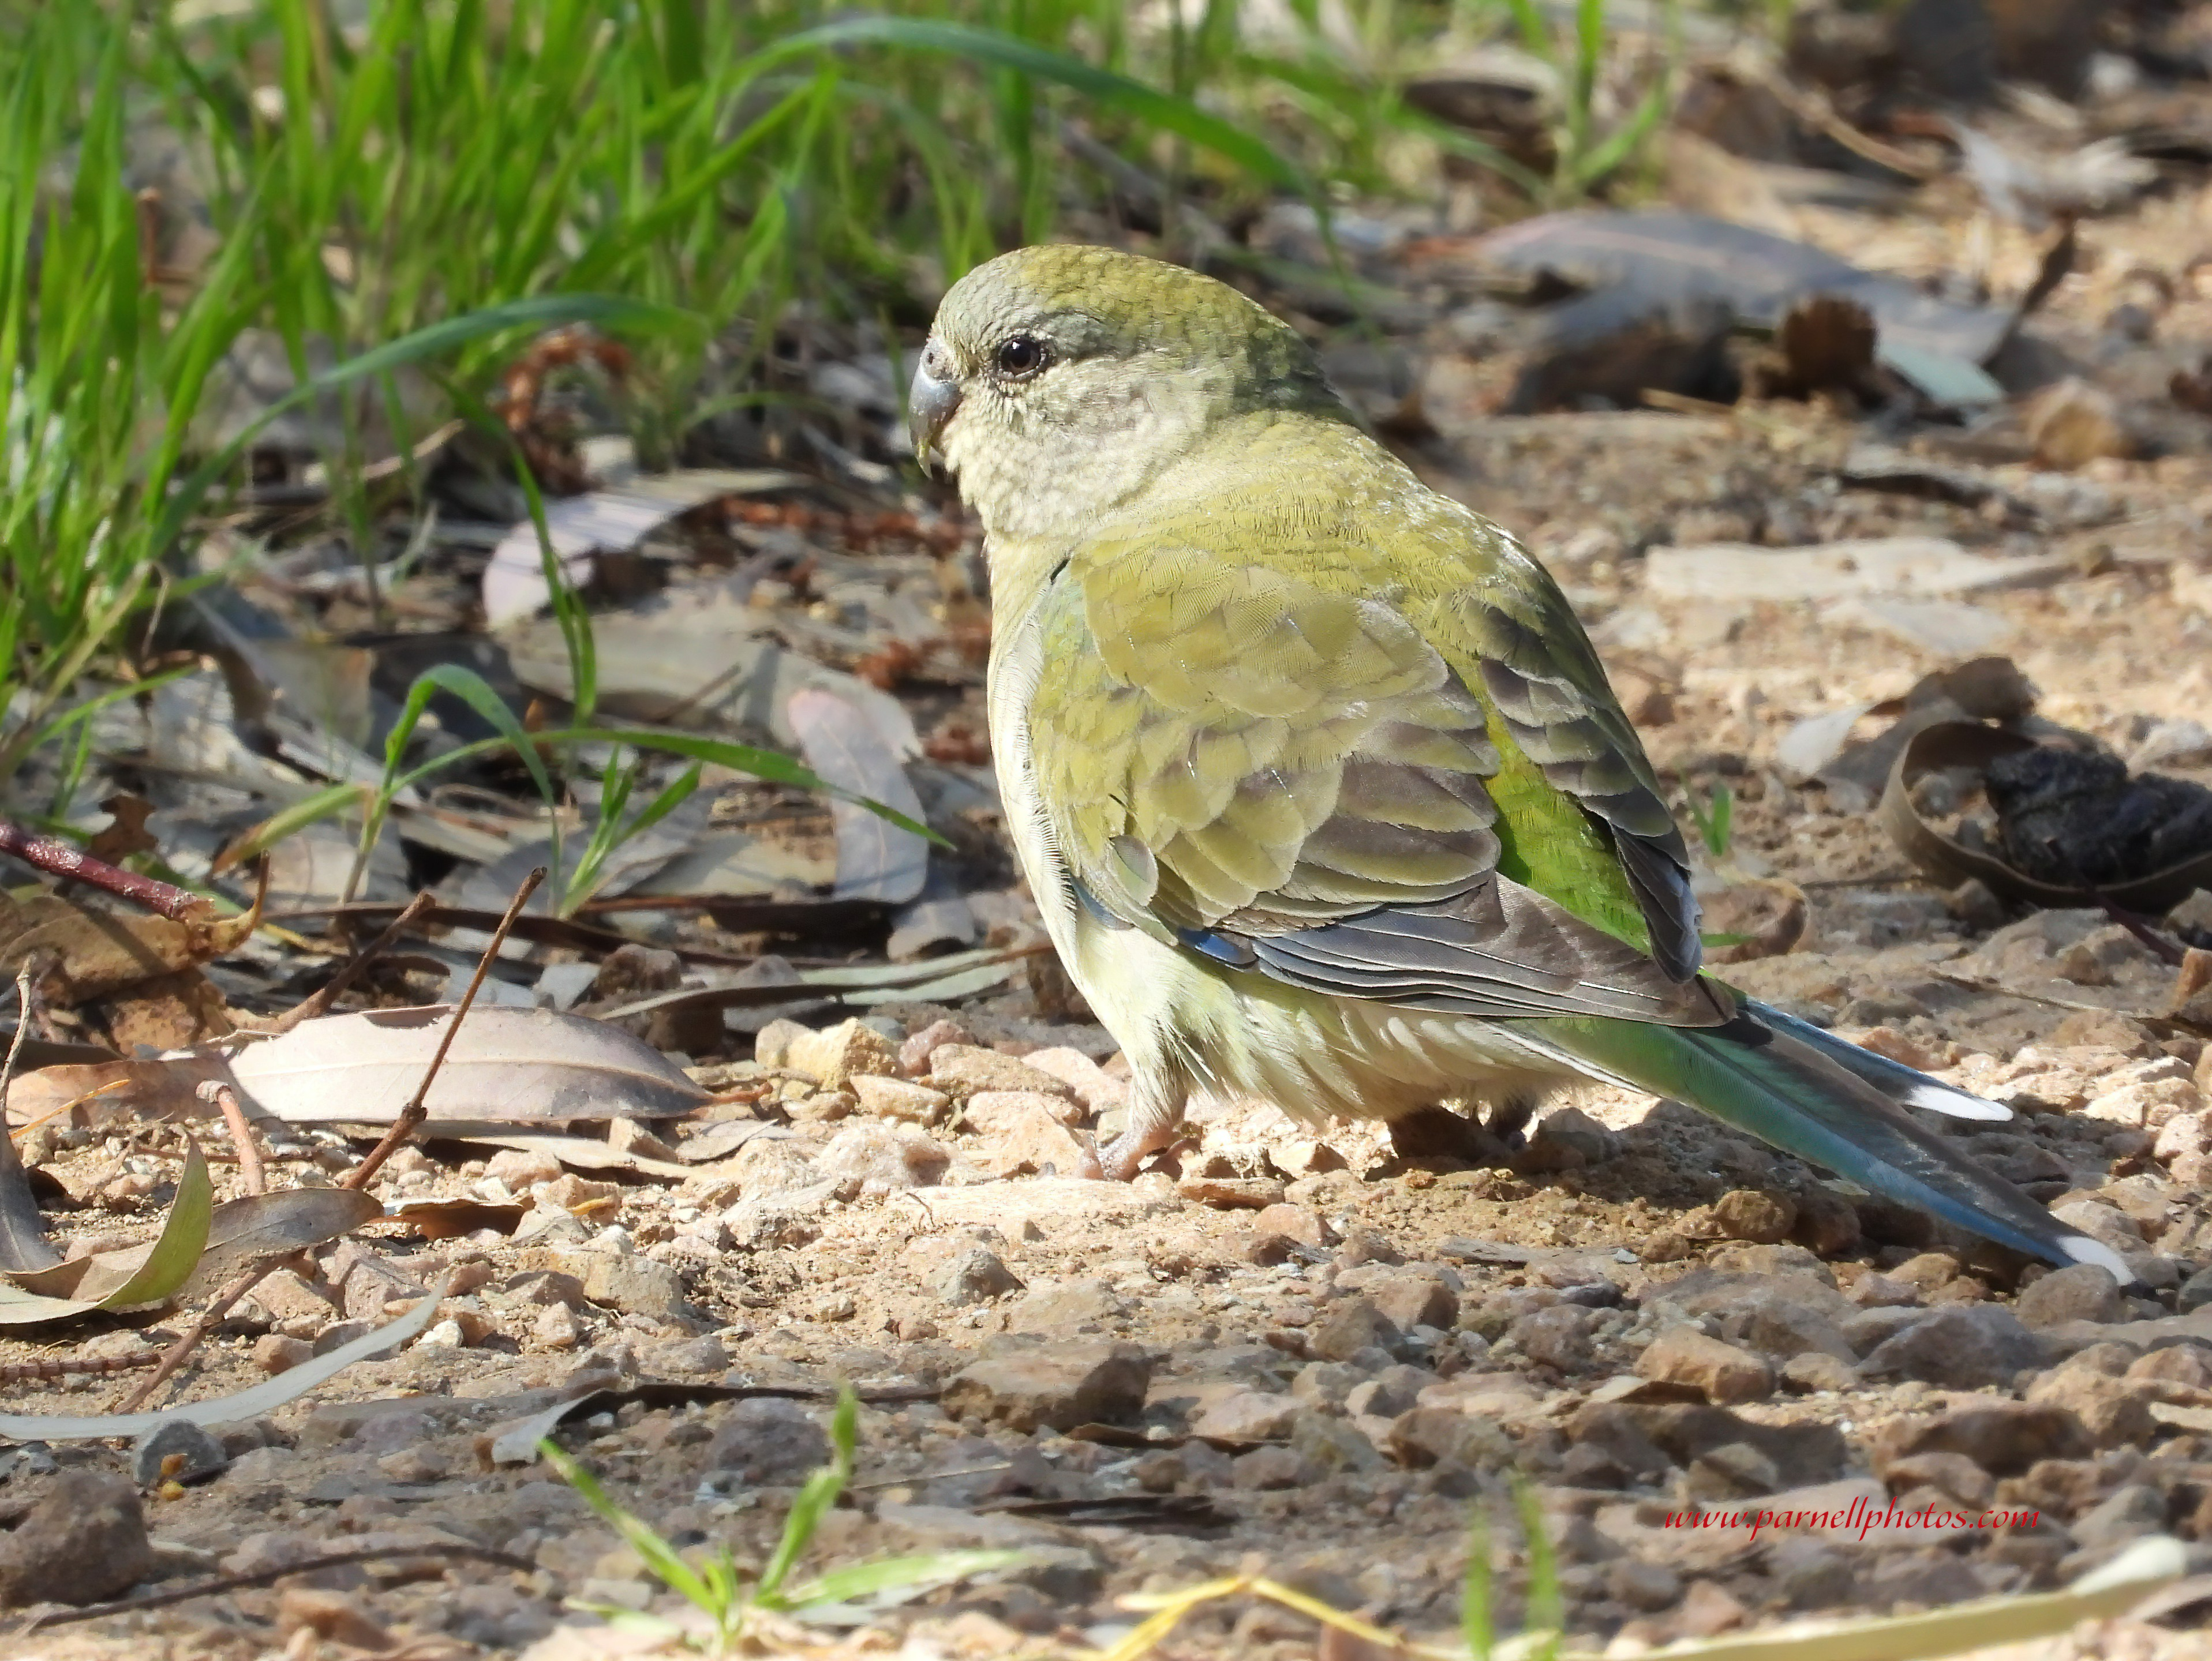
[(63, 1366), (50, 854), (251, 1173), (319, 1003), (263, 1577), (175, 1356), (22, 1030), (413, 1113)]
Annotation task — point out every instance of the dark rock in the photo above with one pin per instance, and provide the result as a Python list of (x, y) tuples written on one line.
[(2085, 1292), (81, 1540), (2196, 1293), (1777, 1324), (1950, 1474), (2004, 1438), (1558, 1336), (1815, 1371), (1411, 1300), (197, 1453), (2128, 1513), (1649, 1587), (1960, 1348), (1271, 1468), (1444, 1436), (1351, 1325), (1802, 1454), (1811, 1574), (769, 1442), (1057, 1387), (1609, 1429)]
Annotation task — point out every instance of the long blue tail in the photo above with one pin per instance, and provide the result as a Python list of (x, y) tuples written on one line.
[(1810, 1094)]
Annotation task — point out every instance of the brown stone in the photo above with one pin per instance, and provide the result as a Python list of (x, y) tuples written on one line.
[(2085, 1292), (2113, 1410), (1747, 1214), (1720, 1372), (1350, 1326), (1054, 1387), (2002, 1437), (82, 1539)]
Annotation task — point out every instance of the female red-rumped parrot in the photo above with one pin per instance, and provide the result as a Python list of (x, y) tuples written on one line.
[(1317, 780)]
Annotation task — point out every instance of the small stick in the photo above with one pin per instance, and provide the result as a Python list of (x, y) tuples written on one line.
[(251, 1173), (62, 1366), (52, 854), (409, 1117), (264, 1577), (23, 1031), (318, 1002), (414, 1112), (175, 1356)]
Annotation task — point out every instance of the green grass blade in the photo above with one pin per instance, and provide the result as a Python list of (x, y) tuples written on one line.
[(1477, 1624), (1165, 111), (888, 1575), (819, 1494)]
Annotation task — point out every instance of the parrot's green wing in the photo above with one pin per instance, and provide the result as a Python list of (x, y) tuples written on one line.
[(1299, 766)]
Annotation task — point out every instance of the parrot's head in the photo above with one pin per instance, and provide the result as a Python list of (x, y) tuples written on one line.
[(1060, 381)]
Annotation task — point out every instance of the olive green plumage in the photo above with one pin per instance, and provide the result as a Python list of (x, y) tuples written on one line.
[(1318, 781)]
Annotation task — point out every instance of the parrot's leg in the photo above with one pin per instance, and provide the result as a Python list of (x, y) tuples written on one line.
[(1155, 1119)]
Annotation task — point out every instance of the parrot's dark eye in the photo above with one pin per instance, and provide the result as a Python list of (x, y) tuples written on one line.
[(1020, 356)]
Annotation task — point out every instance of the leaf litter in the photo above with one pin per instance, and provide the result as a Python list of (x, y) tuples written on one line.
[(1756, 570)]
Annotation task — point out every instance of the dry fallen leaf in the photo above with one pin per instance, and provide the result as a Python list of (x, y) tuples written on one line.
[(528, 1066), (93, 954)]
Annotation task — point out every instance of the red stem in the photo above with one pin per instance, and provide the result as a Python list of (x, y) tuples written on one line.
[(49, 854)]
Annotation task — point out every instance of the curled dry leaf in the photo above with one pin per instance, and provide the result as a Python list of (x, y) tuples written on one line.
[(517, 1066), (127, 1279), (1969, 744)]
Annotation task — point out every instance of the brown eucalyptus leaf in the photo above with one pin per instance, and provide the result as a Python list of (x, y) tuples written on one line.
[(507, 1064), (242, 1231), (93, 954)]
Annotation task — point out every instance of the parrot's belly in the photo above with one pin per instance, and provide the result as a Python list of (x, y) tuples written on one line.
[(1314, 1056)]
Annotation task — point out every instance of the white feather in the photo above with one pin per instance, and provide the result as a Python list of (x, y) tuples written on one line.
[(1957, 1103), (2082, 1249)]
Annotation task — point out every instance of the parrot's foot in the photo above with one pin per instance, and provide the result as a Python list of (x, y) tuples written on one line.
[(1439, 1133), (1119, 1159)]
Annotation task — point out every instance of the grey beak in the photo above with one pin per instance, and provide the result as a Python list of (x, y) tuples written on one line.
[(932, 401)]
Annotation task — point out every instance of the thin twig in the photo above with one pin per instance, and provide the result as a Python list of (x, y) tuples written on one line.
[(23, 1031), (52, 854), (63, 1366), (265, 1576), (251, 1175), (175, 1356), (414, 1112), (318, 1002)]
